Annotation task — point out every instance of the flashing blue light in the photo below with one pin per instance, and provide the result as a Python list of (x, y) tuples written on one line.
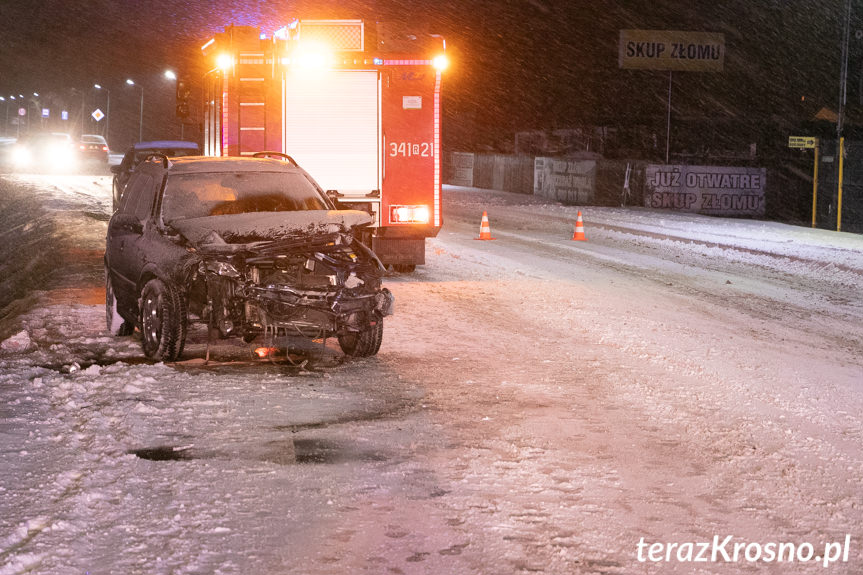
[(378, 61)]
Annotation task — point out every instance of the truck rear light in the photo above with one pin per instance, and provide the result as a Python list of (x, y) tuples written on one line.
[(409, 214), (104, 148)]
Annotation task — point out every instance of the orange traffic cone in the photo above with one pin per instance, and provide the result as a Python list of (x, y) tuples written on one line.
[(578, 234), (484, 229)]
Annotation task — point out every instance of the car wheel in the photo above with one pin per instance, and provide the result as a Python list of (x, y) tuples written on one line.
[(404, 268), (163, 321), (363, 343), (116, 325)]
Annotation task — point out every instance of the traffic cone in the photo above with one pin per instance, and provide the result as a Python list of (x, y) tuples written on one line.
[(484, 229), (578, 234)]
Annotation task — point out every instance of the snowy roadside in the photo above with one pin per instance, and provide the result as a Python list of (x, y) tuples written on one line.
[(538, 405)]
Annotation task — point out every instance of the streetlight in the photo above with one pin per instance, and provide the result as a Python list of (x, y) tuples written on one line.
[(107, 110), (170, 75), (130, 82)]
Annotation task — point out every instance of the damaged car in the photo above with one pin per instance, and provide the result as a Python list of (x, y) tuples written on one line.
[(248, 246)]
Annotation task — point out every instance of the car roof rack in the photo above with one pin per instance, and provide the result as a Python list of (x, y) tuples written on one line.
[(269, 154)]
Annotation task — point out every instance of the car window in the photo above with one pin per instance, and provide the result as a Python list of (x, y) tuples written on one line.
[(212, 194), (138, 196), (126, 163)]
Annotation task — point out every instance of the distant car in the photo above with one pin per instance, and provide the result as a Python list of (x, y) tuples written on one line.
[(248, 246), (93, 147), (140, 151), (49, 151)]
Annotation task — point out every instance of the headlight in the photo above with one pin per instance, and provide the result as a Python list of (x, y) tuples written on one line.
[(64, 156), (223, 269), (21, 156)]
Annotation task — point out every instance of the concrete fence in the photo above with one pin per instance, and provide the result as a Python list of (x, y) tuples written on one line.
[(568, 180), (491, 171)]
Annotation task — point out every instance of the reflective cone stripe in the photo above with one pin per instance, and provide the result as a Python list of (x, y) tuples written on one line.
[(578, 234), (484, 229)]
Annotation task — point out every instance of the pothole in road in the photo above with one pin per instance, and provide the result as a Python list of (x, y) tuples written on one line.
[(162, 453), (298, 451), (326, 451)]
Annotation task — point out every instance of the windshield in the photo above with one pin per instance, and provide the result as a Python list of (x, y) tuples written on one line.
[(215, 194)]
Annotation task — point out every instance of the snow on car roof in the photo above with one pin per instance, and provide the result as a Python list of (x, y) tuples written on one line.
[(192, 164)]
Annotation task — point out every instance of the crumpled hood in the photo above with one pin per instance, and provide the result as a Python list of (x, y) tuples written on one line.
[(267, 226)]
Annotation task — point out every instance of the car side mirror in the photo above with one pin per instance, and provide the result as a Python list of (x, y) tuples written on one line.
[(115, 169), (334, 196), (128, 222)]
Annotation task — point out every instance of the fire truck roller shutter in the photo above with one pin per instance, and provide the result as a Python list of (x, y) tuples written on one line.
[(332, 128)]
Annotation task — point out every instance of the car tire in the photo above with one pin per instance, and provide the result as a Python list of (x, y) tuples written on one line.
[(365, 343), (163, 321), (114, 322), (404, 268)]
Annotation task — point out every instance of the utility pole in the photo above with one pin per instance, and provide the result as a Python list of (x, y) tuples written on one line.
[(840, 141)]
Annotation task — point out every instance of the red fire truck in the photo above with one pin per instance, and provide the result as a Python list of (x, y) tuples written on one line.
[(358, 109)]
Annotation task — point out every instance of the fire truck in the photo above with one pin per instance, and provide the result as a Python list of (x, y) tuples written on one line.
[(357, 108)]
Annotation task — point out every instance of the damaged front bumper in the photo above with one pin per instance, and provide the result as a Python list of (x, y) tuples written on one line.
[(331, 288)]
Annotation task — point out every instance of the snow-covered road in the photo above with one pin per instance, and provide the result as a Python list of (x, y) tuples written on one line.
[(538, 405)]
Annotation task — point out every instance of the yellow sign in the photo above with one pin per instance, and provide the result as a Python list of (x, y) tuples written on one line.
[(802, 142), (672, 50)]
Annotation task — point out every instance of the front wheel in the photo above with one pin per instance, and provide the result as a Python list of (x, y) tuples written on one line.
[(365, 343), (163, 321)]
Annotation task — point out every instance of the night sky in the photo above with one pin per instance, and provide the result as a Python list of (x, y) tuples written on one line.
[(516, 65)]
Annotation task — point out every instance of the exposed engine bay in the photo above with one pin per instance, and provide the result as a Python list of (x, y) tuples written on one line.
[(321, 285)]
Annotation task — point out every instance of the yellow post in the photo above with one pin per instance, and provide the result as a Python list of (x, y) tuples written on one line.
[(815, 184), (839, 200)]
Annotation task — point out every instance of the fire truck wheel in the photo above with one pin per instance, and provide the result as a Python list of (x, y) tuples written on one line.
[(364, 343), (404, 268)]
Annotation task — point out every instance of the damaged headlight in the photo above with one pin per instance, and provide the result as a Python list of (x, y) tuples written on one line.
[(222, 269)]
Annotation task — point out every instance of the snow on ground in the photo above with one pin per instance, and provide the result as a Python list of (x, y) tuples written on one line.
[(538, 405)]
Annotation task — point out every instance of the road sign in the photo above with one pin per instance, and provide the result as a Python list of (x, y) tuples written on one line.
[(671, 50), (98, 115), (802, 142), (64, 115), (46, 112), (22, 111)]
